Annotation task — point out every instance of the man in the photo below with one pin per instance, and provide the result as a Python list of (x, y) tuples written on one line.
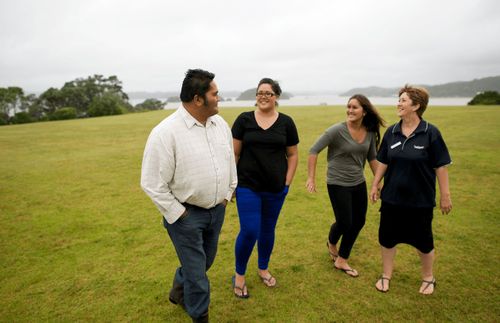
[(189, 172)]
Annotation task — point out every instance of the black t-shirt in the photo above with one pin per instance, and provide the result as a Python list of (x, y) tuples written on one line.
[(263, 164), (410, 178)]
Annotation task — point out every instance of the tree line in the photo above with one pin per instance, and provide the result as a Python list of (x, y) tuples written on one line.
[(486, 98), (81, 98)]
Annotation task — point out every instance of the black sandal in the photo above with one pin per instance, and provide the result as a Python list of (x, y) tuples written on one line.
[(349, 271), (242, 289)]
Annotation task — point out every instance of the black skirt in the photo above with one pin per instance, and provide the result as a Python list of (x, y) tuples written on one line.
[(410, 225)]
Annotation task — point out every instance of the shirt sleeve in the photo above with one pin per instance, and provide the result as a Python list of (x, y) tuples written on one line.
[(372, 150), (292, 135), (323, 141), (238, 129), (382, 153), (158, 166), (233, 177), (438, 152)]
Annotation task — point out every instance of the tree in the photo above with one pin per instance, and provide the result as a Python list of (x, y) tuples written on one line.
[(10, 100), (21, 117), (51, 100), (105, 105), (150, 104), (4, 119), (33, 105), (486, 98), (80, 93), (64, 114), (103, 94)]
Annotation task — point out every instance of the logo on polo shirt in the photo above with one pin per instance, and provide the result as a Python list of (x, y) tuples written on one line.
[(418, 147)]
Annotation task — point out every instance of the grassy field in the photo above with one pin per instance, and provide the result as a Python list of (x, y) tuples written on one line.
[(80, 241)]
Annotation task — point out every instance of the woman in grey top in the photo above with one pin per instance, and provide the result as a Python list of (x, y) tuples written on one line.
[(350, 144)]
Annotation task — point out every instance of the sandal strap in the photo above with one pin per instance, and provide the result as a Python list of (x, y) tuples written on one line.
[(382, 278), (267, 281), (429, 282)]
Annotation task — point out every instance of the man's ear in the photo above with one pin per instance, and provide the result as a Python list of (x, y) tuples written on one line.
[(198, 100)]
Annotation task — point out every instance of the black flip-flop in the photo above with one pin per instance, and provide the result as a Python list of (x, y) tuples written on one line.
[(347, 271), (242, 289)]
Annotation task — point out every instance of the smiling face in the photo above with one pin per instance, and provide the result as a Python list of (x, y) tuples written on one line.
[(211, 100), (266, 98), (405, 106), (355, 111)]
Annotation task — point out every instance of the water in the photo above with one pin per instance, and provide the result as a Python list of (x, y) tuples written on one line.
[(319, 100)]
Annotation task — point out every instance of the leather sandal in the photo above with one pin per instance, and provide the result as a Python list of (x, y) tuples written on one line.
[(269, 280), (428, 283), (381, 279)]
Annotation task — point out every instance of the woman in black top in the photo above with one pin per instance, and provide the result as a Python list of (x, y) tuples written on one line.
[(265, 146), (412, 154)]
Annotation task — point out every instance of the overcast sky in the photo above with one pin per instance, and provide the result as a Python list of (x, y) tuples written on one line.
[(312, 45)]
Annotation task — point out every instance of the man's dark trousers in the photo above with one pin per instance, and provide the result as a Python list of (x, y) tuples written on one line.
[(195, 237)]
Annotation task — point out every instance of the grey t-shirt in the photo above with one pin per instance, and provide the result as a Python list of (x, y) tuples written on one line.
[(346, 157)]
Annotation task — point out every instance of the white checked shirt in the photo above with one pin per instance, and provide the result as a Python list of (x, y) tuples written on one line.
[(185, 161)]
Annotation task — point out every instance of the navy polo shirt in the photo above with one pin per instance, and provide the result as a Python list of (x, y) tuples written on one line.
[(410, 178)]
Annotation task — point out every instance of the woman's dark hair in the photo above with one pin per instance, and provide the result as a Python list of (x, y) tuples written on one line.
[(196, 82), (274, 85), (372, 120), (417, 95)]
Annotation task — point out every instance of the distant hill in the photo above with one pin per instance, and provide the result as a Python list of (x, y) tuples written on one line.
[(454, 89), (250, 95)]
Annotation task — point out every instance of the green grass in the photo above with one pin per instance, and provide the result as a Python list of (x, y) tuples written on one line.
[(80, 241)]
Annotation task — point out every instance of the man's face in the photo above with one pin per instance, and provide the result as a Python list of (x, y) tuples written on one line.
[(211, 100)]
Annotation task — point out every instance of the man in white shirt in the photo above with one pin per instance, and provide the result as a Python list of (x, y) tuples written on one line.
[(189, 172)]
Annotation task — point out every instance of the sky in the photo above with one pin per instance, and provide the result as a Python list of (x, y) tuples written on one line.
[(315, 45)]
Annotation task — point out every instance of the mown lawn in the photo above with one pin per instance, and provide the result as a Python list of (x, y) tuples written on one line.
[(80, 241)]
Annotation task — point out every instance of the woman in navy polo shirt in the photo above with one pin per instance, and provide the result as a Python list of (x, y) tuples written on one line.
[(265, 146), (412, 154)]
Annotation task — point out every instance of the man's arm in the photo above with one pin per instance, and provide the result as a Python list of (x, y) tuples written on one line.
[(157, 171)]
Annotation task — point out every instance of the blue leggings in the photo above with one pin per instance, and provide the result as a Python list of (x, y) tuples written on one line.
[(258, 213)]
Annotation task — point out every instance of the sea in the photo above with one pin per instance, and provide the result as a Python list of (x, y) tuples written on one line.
[(321, 100)]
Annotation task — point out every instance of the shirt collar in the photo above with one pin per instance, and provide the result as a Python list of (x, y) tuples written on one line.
[(422, 127), (191, 121)]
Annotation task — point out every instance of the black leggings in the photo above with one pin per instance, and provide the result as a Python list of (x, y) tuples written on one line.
[(349, 206)]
